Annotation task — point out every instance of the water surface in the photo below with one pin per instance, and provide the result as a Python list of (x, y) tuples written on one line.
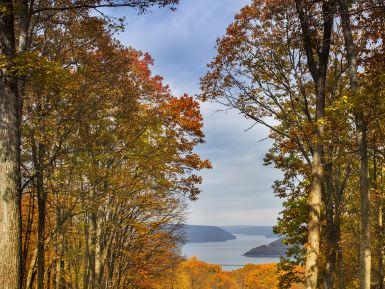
[(229, 252)]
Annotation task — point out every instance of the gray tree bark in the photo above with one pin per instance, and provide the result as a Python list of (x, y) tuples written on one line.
[(38, 156), (10, 218), (318, 70), (362, 127), (330, 224), (379, 225)]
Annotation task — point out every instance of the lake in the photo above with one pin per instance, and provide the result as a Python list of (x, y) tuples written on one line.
[(229, 252)]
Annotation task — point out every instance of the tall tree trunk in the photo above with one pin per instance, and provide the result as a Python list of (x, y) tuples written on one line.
[(38, 156), (10, 216), (95, 251), (365, 254), (376, 179), (330, 224), (381, 257), (87, 256), (54, 271), (32, 278), (339, 195), (40, 243), (362, 127), (60, 242), (340, 263), (314, 205), (318, 70), (380, 228), (98, 257), (31, 270), (48, 278), (60, 281), (27, 237), (40, 233)]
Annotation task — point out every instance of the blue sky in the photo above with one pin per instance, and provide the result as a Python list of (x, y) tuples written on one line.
[(238, 188)]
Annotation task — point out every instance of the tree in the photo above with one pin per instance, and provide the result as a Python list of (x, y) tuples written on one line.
[(116, 165), (318, 70), (18, 18), (362, 144), (256, 75)]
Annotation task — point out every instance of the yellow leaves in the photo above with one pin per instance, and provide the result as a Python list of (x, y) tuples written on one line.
[(118, 151), (3, 61), (42, 74), (28, 64), (5, 8), (341, 105), (195, 274)]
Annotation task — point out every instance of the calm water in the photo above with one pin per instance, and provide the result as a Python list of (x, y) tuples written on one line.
[(230, 252)]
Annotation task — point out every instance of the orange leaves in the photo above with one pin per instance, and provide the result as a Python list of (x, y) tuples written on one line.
[(195, 161), (118, 157), (195, 274), (185, 113)]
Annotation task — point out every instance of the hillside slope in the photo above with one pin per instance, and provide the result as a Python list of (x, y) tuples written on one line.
[(200, 234), (276, 248)]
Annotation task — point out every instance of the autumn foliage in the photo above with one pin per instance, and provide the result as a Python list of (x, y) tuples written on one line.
[(98, 157), (195, 274), (312, 72), (108, 160)]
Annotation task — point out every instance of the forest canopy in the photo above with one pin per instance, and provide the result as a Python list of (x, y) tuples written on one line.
[(312, 72), (107, 157), (98, 157)]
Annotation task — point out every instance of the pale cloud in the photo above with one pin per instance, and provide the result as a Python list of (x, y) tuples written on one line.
[(238, 189)]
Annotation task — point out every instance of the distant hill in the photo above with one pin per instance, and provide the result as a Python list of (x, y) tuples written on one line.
[(200, 234), (251, 230), (274, 249)]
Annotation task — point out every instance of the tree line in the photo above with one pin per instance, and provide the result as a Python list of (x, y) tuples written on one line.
[(195, 274), (313, 73), (96, 154)]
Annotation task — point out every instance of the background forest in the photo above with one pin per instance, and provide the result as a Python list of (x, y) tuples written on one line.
[(98, 161)]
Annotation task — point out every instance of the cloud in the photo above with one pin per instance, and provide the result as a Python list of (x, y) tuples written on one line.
[(238, 189), (263, 217)]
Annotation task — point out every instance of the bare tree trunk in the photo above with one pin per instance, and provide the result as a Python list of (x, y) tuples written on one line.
[(365, 255), (48, 276), (60, 241), (27, 238), (330, 224), (339, 195), (31, 271), (38, 156), (362, 127), (32, 278), (40, 234), (318, 70), (54, 271), (314, 205), (87, 257), (340, 263), (60, 281), (379, 223), (98, 256), (380, 253), (93, 252), (10, 216)]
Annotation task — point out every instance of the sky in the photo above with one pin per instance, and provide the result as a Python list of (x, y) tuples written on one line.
[(237, 191)]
